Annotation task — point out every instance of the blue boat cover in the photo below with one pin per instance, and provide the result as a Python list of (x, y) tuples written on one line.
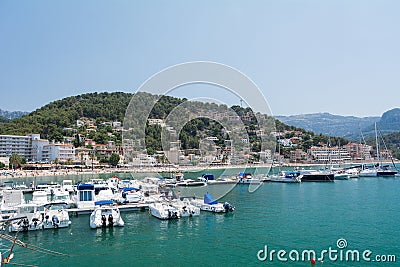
[(130, 189), (85, 187), (209, 200), (208, 176), (292, 174), (104, 202)]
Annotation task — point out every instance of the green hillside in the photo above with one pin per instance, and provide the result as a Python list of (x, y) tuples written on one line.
[(55, 121)]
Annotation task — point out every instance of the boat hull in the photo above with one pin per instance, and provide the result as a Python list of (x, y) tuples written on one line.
[(317, 178), (105, 217), (386, 173), (164, 211)]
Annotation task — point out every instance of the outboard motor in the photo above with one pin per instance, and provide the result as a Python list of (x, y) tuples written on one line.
[(35, 221), (110, 220), (228, 207), (103, 220), (55, 221), (25, 224)]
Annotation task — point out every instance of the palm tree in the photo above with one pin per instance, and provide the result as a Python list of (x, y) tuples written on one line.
[(15, 161), (56, 161)]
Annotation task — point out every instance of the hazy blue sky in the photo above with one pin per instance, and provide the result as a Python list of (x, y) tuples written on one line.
[(341, 57)]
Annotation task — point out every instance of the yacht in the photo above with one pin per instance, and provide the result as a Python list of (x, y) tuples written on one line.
[(105, 214), (85, 196), (316, 176), (369, 171)]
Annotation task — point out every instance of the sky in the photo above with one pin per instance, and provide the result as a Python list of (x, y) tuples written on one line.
[(340, 57)]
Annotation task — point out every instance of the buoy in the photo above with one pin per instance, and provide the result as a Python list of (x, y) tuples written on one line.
[(313, 261)]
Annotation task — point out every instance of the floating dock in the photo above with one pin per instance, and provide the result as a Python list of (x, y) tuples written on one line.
[(122, 208)]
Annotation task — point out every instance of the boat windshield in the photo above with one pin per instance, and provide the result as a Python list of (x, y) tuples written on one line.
[(57, 207), (26, 209)]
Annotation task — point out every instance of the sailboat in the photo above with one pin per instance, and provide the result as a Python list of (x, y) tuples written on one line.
[(378, 169)]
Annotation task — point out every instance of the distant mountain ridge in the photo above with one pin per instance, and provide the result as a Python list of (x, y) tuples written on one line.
[(388, 123), (12, 114), (329, 124)]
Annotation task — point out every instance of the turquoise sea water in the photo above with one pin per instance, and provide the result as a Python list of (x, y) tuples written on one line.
[(365, 212)]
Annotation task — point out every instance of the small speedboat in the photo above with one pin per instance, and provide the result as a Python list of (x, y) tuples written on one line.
[(28, 218), (55, 215), (164, 211), (105, 214), (185, 208), (208, 204), (131, 195), (247, 178), (289, 177)]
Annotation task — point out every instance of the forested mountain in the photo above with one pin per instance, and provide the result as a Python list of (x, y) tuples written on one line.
[(3, 120), (12, 114), (327, 124), (388, 123), (51, 119)]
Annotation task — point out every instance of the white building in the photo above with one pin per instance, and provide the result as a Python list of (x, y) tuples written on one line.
[(35, 149), (329, 154), (62, 152), (15, 144)]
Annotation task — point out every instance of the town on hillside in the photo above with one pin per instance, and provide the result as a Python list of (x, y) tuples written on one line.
[(89, 145)]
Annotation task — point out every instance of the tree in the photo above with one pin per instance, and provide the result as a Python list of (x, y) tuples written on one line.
[(15, 161), (56, 161), (114, 159)]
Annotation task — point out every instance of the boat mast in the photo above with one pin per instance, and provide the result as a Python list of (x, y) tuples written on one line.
[(377, 147)]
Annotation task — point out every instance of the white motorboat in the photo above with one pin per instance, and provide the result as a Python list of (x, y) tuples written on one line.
[(286, 177), (340, 174), (247, 178), (55, 215), (85, 196), (185, 208), (164, 211), (353, 172), (105, 214), (208, 204), (369, 172), (131, 195), (190, 183), (30, 218), (40, 197), (11, 199), (113, 182), (67, 185), (62, 196)]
